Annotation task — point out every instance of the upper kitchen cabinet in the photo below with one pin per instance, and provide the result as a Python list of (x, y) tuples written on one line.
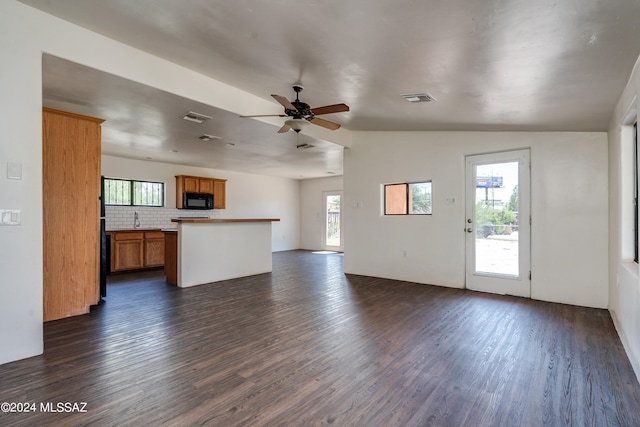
[(219, 193), (198, 184), (194, 184), (71, 213)]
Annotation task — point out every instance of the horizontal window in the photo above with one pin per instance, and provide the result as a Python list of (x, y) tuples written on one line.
[(126, 192), (407, 198)]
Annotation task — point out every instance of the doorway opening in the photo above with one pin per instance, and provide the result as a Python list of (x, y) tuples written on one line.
[(332, 224)]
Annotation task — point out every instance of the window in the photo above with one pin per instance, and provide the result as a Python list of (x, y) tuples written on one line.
[(125, 192), (408, 198)]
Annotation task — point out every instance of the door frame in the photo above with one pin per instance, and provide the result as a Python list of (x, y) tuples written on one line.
[(493, 282)]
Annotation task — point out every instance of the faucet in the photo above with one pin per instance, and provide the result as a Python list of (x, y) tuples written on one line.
[(136, 220)]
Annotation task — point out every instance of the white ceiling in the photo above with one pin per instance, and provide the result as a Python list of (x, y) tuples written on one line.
[(544, 65)]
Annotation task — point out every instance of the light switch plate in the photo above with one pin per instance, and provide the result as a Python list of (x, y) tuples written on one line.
[(9, 217), (450, 200)]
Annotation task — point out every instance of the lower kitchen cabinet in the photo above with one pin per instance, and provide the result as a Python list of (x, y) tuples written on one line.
[(154, 249), (135, 249)]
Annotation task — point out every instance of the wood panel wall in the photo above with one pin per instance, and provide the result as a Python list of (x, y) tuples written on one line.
[(71, 213)]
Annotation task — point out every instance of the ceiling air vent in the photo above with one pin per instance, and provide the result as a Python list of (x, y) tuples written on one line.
[(195, 117), (207, 137), (304, 146), (418, 97)]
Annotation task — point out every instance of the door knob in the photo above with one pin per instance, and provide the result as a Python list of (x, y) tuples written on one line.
[(469, 230), (469, 221)]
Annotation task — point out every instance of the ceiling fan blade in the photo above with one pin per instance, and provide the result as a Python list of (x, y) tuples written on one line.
[(284, 102), (328, 109), (325, 123), (284, 129), (265, 115)]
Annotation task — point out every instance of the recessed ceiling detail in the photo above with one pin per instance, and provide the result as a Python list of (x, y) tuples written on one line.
[(247, 146), (418, 97), (195, 117)]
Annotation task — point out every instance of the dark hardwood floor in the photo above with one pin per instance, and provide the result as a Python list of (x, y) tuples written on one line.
[(307, 345)]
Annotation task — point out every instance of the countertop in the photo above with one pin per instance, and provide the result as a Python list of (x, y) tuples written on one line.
[(133, 230), (221, 220)]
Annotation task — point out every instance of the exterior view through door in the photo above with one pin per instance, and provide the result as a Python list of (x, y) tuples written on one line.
[(332, 221), (497, 227)]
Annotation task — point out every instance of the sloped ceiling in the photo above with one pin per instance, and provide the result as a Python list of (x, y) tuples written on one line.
[(491, 65)]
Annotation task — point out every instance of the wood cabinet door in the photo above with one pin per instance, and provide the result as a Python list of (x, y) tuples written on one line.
[(71, 213), (191, 184), (206, 186), (219, 194), (128, 254), (154, 249)]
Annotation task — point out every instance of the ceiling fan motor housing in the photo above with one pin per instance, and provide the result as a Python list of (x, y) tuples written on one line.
[(303, 110)]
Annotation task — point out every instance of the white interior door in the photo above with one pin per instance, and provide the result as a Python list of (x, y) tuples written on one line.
[(498, 223), (332, 229)]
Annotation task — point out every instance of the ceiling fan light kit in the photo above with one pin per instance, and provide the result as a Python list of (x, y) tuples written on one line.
[(296, 124), (301, 114)]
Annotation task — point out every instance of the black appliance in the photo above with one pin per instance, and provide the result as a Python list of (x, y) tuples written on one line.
[(104, 247), (197, 201)]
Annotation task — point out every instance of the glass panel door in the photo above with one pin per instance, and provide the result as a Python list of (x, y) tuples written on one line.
[(332, 221), (497, 223)]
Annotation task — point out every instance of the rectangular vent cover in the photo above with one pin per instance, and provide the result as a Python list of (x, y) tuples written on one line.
[(418, 97), (195, 117), (304, 146)]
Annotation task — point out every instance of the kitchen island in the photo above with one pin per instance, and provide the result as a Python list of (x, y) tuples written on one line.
[(202, 250)]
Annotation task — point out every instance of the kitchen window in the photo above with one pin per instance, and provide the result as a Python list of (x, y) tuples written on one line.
[(126, 192)]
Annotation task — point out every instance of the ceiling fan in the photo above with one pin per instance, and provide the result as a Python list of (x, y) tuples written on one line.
[(301, 114)]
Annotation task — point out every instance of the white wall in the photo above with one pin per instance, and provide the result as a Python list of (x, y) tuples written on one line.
[(20, 142), (25, 34), (568, 206), (624, 277), (312, 210), (248, 196)]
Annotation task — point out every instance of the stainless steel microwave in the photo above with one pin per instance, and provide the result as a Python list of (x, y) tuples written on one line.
[(197, 201)]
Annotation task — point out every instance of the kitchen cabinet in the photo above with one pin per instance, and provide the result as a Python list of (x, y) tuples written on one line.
[(71, 145), (194, 184), (205, 185), (219, 193), (127, 252), (198, 184), (136, 249), (153, 249)]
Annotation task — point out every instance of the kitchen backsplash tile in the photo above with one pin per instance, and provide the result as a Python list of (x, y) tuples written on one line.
[(122, 217)]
